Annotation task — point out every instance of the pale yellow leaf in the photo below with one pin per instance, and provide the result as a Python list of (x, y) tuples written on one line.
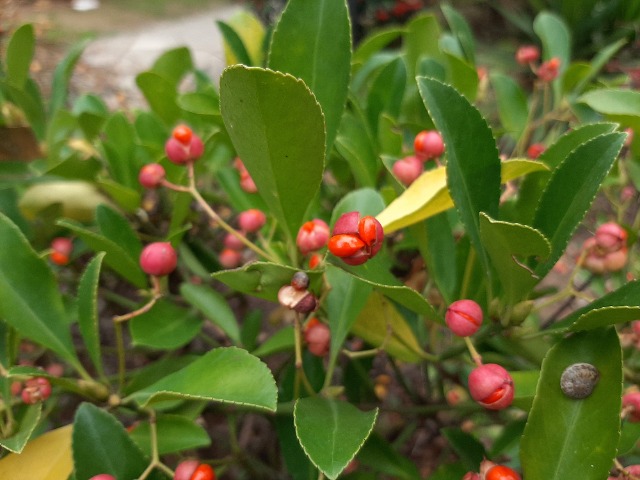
[(48, 457), (428, 194)]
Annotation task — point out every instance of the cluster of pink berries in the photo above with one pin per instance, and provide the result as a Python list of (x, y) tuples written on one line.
[(249, 221), (606, 250), (312, 237), (547, 71), (34, 390), (490, 385), (491, 471), (427, 145), (354, 239)]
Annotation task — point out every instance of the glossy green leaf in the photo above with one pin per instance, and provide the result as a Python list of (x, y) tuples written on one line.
[(88, 309), (214, 306), (262, 279), (228, 375), (618, 105), (276, 139), (604, 317), (173, 65), (473, 168), (385, 95), (175, 433), (102, 445), (512, 104), (525, 383), (373, 43), (462, 75), (509, 246), (117, 228), (625, 296), (30, 101), (160, 94), (601, 58), (469, 449), (379, 323), (460, 28), (312, 41), (298, 464), (200, 103), (116, 257), (344, 302), (331, 432), (281, 341), (26, 425), (127, 198), (19, 54), (157, 370), (573, 430), (421, 39), (533, 185), (565, 201), (119, 148), (233, 41), (389, 137), (555, 36), (62, 75), (356, 146), (29, 298), (165, 326)]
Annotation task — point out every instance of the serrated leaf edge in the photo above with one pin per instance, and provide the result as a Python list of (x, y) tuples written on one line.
[(375, 418)]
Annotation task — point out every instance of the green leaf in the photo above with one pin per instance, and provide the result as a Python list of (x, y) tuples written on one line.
[(462, 75), (355, 144), (512, 104), (26, 425), (173, 65), (467, 446), (235, 44), (29, 298), (460, 28), (601, 58), (421, 39), (604, 317), (126, 198), (525, 383), (175, 433), (88, 309), (473, 168), (228, 375), (166, 326), (62, 75), (331, 432), (117, 228), (119, 148), (276, 139), (312, 41), (379, 323), (509, 246), (618, 105), (385, 95), (281, 341), (555, 36), (262, 279), (19, 54), (573, 430), (373, 43), (160, 94), (629, 437), (200, 103), (214, 306), (116, 257), (102, 445), (565, 201), (625, 296)]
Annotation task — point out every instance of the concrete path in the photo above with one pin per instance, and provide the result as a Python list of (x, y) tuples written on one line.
[(121, 57)]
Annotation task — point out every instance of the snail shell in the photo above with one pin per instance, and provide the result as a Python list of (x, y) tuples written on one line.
[(579, 380)]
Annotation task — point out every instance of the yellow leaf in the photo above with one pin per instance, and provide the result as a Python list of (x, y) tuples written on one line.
[(428, 194), (251, 32), (378, 320), (48, 457)]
